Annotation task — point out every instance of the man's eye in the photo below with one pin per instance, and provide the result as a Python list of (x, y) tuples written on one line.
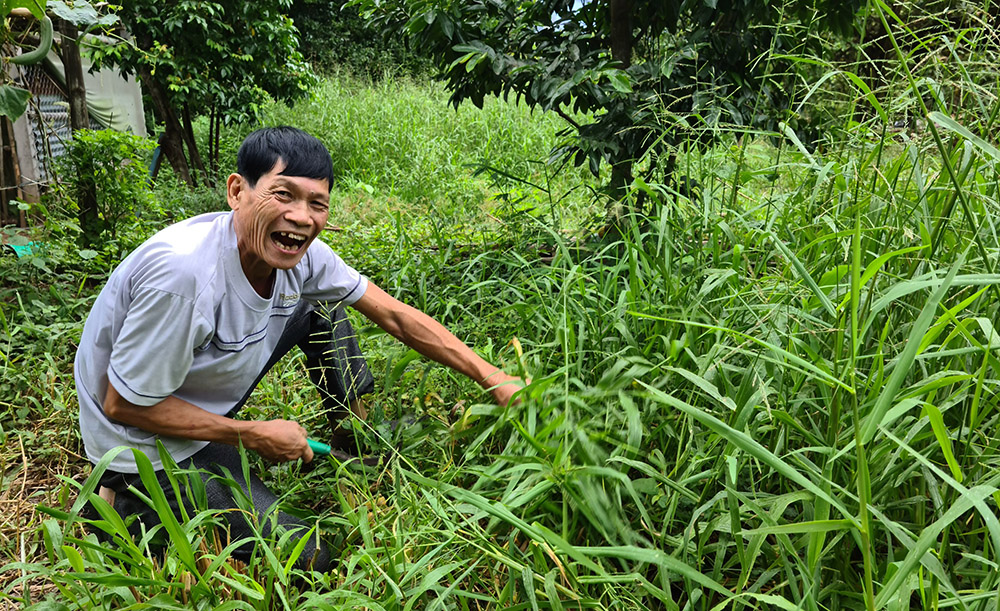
[(319, 205)]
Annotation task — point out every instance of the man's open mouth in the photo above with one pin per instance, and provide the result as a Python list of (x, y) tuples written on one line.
[(287, 241)]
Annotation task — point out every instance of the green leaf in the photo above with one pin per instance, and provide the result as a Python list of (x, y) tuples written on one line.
[(13, 101), (40, 264), (619, 81), (47, 605), (747, 444), (74, 557), (804, 274), (954, 126), (875, 266), (709, 388), (815, 526), (657, 557), (180, 540), (863, 87), (790, 134), (902, 366), (80, 14), (113, 579), (250, 589), (941, 433), (399, 367)]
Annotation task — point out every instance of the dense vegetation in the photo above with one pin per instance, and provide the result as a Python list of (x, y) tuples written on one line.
[(649, 74), (774, 388), (216, 59)]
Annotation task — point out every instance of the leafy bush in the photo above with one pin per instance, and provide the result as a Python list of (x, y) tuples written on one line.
[(46, 294), (104, 173), (177, 201)]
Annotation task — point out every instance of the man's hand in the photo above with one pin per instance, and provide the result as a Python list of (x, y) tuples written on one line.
[(503, 387), (278, 440)]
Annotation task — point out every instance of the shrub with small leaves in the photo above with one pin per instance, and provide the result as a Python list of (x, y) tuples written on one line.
[(104, 173)]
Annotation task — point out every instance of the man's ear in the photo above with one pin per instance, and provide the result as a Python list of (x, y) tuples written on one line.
[(235, 186)]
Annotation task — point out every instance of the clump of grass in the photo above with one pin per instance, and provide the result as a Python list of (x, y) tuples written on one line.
[(187, 560)]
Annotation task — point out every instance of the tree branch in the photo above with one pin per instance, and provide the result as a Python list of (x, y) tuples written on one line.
[(569, 119)]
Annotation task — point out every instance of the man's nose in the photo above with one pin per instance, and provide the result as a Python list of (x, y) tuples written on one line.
[(298, 213)]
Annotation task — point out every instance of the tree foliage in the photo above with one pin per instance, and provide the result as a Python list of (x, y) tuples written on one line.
[(336, 36), (14, 99), (642, 72), (218, 58)]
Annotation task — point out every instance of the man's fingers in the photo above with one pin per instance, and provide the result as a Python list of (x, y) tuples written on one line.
[(283, 440), (303, 443), (504, 394), (504, 391)]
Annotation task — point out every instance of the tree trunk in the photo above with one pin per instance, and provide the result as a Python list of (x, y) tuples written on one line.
[(214, 155), (621, 178), (76, 91), (192, 146), (172, 141), (620, 17), (621, 39)]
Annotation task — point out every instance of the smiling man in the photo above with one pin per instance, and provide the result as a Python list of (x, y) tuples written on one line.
[(189, 323)]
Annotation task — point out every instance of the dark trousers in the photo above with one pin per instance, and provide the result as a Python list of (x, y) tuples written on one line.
[(337, 368)]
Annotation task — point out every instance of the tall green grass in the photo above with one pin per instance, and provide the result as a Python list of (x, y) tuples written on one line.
[(398, 143), (780, 391)]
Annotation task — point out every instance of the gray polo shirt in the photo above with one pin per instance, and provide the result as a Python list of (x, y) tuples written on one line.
[(179, 317)]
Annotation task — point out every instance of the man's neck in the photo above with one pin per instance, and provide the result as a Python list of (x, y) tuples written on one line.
[(264, 286)]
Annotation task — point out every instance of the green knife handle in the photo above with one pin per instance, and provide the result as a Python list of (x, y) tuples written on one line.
[(319, 447)]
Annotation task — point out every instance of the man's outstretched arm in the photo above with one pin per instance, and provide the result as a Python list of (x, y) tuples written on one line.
[(279, 440), (429, 337)]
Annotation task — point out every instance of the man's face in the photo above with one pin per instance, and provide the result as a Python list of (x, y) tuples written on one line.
[(276, 219)]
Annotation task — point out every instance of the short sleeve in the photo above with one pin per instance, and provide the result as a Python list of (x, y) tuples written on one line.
[(153, 352), (330, 279)]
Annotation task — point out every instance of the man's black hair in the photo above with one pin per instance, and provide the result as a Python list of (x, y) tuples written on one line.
[(302, 154)]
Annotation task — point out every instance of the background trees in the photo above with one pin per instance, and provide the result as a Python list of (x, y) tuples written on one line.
[(222, 59), (334, 36), (626, 75)]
